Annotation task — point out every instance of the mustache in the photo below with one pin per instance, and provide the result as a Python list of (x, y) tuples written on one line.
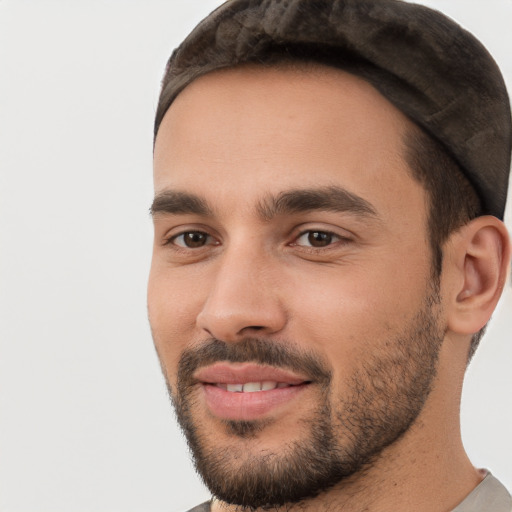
[(253, 350)]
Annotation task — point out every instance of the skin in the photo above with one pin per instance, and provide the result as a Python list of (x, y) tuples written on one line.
[(237, 137)]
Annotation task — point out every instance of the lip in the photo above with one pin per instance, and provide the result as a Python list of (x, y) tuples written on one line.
[(229, 405), (241, 373)]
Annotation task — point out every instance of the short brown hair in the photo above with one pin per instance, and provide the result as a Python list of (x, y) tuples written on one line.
[(453, 201)]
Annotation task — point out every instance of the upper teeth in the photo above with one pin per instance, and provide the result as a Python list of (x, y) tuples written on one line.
[(250, 387)]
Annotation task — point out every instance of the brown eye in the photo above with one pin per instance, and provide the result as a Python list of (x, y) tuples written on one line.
[(191, 239), (317, 239)]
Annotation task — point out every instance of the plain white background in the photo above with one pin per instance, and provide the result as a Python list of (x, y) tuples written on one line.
[(85, 423)]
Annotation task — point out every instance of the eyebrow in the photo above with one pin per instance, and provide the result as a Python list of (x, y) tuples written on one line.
[(331, 198), (173, 202)]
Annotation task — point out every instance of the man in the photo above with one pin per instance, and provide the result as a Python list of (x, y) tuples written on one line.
[(330, 181)]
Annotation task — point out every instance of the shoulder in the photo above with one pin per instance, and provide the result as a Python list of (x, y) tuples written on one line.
[(204, 507), (489, 496)]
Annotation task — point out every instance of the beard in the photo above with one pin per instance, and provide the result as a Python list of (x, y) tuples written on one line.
[(341, 437)]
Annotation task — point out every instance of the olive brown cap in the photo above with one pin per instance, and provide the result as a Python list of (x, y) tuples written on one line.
[(424, 63)]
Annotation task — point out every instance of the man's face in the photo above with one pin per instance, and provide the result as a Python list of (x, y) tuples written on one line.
[(289, 294)]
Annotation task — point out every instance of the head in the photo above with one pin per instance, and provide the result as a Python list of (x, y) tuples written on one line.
[(311, 261)]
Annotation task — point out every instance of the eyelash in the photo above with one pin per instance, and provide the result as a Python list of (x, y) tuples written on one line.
[(172, 239), (332, 238)]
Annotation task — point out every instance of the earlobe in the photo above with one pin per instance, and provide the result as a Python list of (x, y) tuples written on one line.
[(482, 257)]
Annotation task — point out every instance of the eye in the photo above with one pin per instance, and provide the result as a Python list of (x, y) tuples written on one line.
[(317, 239), (191, 239)]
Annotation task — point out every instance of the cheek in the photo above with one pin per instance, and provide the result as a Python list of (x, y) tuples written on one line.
[(172, 311), (354, 310)]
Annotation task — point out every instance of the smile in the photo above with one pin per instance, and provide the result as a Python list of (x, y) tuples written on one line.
[(252, 387), (247, 391)]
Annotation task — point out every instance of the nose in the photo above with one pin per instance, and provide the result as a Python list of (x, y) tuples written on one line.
[(243, 299)]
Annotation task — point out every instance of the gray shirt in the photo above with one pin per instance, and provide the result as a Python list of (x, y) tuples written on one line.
[(488, 496)]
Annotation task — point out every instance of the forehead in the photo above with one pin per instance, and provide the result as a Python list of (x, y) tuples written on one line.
[(261, 130)]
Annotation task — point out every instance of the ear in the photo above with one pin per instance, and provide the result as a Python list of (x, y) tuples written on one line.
[(479, 262)]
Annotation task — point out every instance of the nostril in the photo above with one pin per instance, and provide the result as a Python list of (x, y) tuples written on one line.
[(229, 318), (251, 329)]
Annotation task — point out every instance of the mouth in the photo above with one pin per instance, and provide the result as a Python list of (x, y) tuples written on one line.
[(247, 391), (253, 387)]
